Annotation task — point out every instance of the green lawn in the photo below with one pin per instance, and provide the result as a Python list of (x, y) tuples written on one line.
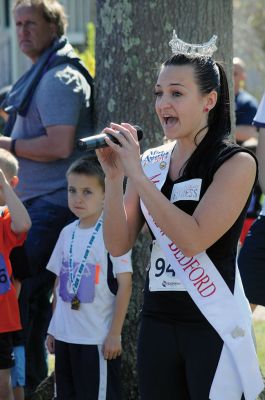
[(50, 363), (259, 328)]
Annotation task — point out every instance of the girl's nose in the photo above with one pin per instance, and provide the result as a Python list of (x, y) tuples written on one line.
[(164, 102)]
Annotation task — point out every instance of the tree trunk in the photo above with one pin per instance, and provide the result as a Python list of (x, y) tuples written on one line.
[(131, 43), (45, 391)]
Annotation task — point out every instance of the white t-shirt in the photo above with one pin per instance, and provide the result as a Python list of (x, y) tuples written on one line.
[(90, 324)]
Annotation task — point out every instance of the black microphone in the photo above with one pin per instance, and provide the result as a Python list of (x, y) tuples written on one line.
[(97, 141)]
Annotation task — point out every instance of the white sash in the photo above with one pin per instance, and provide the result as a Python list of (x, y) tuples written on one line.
[(229, 314)]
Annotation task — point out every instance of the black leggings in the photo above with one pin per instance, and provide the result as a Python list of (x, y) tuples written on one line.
[(177, 360)]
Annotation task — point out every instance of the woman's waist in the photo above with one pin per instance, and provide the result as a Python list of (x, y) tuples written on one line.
[(172, 306)]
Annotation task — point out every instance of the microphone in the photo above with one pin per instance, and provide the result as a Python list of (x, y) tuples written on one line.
[(97, 141)]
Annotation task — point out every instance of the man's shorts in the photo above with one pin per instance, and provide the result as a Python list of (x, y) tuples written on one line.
[(6, 350), (18, 370)]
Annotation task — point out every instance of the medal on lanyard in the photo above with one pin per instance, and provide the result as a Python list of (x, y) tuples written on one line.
[(75, 280), (75, 303)]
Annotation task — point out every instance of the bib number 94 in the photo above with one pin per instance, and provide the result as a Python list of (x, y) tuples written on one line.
[(161, 268)]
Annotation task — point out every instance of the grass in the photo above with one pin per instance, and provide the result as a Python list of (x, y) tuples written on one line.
[(50, 364), (259, 328)]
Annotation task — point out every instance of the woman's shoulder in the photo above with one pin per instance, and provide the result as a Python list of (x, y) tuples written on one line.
[(228, 149)]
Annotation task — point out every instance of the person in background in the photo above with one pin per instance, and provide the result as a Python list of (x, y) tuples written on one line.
[(15, 222), (246, 105), (20, 271), (251, 260), (18, 371), (92, 293), (195, 338), (49, 107)]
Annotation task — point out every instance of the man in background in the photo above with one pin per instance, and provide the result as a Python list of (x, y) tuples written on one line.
[(251, 259), (245, 105), (246, 134)]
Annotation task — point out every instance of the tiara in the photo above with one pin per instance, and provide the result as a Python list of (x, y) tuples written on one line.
[(205, 49)]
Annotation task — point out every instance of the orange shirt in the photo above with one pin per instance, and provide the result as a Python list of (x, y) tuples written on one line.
[(9, 312)]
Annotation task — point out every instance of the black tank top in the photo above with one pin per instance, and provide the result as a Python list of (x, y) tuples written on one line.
[(178, 305)]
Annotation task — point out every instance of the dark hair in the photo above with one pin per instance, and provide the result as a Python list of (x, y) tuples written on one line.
[(51, 10), (209, 75), (89, 167)]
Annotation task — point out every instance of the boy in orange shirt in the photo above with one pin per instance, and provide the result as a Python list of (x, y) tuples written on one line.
[(14, 223)]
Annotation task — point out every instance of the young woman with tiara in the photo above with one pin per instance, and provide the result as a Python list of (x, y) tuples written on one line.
[(195, 339)]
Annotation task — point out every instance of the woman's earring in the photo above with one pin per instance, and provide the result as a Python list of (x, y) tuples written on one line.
[(206, 109)]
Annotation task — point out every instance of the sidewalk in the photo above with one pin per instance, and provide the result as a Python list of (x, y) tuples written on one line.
[(259, 313)]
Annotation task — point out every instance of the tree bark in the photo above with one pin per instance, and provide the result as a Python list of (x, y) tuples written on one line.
[(131, 43)]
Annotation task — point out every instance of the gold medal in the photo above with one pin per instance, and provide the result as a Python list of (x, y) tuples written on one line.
[(75, 303)]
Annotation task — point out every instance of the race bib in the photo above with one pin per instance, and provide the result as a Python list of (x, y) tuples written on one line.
[(188, 190), (162, 277)]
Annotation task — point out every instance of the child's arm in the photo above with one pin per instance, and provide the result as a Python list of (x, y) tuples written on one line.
[(50, 343), (50, 340), (54, 300), (17, 286), (20, 218), (112, 344)]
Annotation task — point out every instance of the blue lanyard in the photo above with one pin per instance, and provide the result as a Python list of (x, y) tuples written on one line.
[(76, 280)]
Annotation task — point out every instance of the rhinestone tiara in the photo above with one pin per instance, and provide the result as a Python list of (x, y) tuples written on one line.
[(205, 49)]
